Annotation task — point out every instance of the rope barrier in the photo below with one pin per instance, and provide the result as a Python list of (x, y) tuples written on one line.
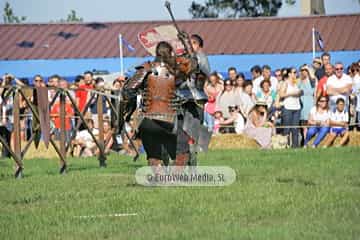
[(293, 126)]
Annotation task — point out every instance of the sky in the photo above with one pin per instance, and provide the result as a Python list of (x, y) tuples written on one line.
[(40, 11)]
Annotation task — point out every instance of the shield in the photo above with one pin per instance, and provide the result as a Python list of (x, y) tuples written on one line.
[(168, 33)]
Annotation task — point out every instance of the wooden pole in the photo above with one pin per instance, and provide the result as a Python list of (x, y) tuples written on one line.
[(100, 109), (62, 128), (36, 116), (102, 161), (17, 139)]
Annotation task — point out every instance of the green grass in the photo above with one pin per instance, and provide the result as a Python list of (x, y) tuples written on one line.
[(287, 194)]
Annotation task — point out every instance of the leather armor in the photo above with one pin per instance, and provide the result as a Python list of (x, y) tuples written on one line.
[(159, 93)]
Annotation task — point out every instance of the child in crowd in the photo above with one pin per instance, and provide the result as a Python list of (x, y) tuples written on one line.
[(339, 124), (218, 115)]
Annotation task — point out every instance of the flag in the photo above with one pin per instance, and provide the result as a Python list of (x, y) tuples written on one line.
[(319, 40), (126, 44)]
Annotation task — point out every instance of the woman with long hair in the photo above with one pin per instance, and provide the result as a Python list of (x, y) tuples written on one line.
[(319, 119), (307, 99), (290, 93), (226, 98)]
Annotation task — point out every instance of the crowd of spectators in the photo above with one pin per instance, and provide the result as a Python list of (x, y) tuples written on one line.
[(313, 100), (82, 143)]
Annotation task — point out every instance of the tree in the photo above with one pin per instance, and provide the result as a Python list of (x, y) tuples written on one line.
[(9, 16), (235, 8), (71, 17)]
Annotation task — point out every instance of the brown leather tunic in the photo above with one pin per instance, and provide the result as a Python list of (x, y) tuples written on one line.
[(158, 94)]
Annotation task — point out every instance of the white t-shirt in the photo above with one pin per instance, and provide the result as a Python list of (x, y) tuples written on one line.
[(85, 135), (339, 117), (317, 116), (335, 82), (239, 124), (292, 103)]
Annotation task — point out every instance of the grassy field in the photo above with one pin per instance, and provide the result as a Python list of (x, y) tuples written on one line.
[(287, 194)]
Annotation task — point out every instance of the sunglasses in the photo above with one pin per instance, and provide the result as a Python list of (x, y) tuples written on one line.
[(339, 69), (38, 80)]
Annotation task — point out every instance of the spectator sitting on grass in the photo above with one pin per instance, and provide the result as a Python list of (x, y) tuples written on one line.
[(84, 143), (108, 138), (257, 125), (319, 120), (339, 123), (235, 119)]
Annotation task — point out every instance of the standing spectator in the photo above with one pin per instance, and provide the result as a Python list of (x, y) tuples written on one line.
[(55, 114), (355, 69), (258, 127), (321, 86), (319, 120), (232, 74), (266, 75), (291, 93), (325, 58), (279, 78), (212, 89), (82, 95), (117, 85), (256, 77), (317, 63), (239, 83), (79, 80), (266, 94), (6, 111), (339, 124), (307, 99), (100, 83), (226, 98), (53, 83), (338, 86), (246, 100), (218, 118)]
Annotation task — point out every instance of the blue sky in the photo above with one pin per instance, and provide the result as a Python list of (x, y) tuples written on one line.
[(136, 10)]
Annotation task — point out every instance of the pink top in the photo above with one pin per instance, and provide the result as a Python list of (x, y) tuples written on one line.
[(210, 105)]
